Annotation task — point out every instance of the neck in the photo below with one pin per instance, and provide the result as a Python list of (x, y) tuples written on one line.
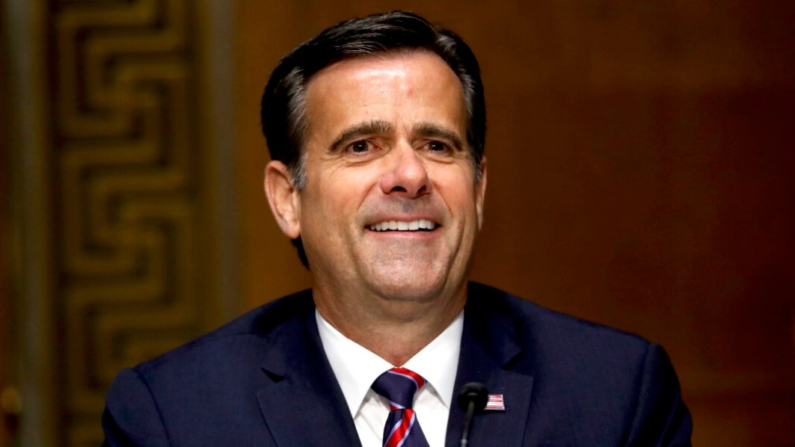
[(395, 330)]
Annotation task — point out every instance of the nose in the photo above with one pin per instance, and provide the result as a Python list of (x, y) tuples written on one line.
[(406, 174)]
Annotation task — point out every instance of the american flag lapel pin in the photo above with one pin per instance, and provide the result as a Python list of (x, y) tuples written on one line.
[(495, 403)]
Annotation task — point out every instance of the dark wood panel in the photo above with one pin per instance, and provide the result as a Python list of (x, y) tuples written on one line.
[(640, 159)]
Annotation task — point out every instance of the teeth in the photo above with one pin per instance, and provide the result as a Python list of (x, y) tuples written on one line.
[(414, 225)]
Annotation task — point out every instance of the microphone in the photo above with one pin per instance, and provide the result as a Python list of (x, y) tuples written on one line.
[(472, 398)]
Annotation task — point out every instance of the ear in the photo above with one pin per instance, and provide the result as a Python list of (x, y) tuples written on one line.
[(283, 198), (480, 191)]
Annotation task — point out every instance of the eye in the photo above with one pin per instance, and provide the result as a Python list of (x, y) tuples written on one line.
[(359, 147), (438, 147)]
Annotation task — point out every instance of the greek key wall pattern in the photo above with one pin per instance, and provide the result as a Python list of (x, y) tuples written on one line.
[(131, 196)]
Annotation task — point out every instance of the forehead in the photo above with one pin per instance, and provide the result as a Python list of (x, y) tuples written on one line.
[(394, 87)]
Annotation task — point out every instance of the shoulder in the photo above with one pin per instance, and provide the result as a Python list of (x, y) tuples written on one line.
[(539, 322), (586, 375), (557, 344), (195, 384), (240, 342)]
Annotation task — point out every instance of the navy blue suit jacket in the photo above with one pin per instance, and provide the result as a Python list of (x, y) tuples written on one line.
[(264, 380)]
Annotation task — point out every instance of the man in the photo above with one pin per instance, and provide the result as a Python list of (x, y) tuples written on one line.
[(376, 128)]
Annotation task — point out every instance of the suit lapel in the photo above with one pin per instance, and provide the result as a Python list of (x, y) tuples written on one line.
[(300, 394), (301, 401), (488, 351)]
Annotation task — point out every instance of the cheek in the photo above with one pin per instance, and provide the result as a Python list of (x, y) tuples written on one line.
[(457, 188), (335, 200)]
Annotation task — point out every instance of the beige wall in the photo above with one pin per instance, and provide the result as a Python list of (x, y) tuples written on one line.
[(5, 303), (640, 158), (115, 237)]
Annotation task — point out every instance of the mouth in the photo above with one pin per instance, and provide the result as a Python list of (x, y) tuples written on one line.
[(396, 225)]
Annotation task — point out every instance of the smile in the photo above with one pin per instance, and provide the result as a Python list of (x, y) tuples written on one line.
[(394, 225)]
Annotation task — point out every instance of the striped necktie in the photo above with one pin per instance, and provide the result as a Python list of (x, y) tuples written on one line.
[(402, 428)]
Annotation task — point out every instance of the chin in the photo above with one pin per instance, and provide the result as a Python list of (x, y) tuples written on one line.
[(409, 294), (408, 287)]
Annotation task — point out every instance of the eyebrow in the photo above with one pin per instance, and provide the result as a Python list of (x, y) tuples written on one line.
[(374, 127), (427, 130), (380, 127)]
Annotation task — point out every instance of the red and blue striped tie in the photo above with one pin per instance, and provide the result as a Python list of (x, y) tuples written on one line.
[(402, 429)]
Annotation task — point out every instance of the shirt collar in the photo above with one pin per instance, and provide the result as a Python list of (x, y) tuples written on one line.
[(356, 368)]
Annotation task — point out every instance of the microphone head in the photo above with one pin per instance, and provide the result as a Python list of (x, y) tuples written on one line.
[(473, 392)]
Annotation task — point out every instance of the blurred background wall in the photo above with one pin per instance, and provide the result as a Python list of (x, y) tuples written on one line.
[(640, 175)]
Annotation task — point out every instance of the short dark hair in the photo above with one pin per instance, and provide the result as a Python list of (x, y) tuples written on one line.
[(282, 110)]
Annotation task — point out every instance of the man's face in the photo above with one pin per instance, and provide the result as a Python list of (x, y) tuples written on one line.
[(390, 207)]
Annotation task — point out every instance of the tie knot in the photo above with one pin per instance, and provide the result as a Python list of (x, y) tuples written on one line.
[(398, 385)]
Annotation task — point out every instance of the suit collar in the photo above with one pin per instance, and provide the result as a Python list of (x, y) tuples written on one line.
[(356, 368), (301, 394), (490, 353)]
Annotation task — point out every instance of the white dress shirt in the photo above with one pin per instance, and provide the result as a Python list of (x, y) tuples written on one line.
[(356, 369)]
